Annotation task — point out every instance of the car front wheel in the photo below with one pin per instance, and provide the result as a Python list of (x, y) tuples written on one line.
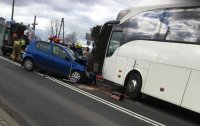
[(76, 75), (29, 64)]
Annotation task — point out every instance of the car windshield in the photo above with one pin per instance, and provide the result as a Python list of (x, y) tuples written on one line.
[(73, 54)]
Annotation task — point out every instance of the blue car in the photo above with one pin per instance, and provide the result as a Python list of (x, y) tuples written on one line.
[(53, 58)]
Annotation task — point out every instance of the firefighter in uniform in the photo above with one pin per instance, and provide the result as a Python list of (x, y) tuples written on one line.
[(19, 45)]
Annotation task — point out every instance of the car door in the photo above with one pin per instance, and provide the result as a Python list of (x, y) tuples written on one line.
[(41, 54), (59, 60)]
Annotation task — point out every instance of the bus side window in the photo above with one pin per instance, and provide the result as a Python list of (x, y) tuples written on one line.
[(114, 43), (184, 25)]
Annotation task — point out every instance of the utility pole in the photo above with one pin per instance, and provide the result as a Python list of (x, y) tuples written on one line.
[(63, 29), (13, 5), (60, 27), (34, 23)]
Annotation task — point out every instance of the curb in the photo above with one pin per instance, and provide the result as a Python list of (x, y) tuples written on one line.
[(6, 120)]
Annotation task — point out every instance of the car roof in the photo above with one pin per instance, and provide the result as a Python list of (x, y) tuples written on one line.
[(52, 43)]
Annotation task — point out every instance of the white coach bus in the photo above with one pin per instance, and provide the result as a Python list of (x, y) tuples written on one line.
[(156, 51)]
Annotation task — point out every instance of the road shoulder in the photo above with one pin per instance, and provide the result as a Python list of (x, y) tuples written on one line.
[(6, 120)]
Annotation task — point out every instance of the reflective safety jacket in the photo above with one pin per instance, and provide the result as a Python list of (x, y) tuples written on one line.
[(21, 42), (17, 42)]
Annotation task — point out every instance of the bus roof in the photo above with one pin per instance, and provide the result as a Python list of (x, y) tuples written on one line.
[(136, 10)]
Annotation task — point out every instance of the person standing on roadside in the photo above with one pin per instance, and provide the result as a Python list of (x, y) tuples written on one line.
[(26, 37), (19, 46), (16, 48), (24, 41), (73, 48), (79, 49), (86, 53)]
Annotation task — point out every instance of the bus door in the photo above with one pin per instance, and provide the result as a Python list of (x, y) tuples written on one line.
[(111, 55)]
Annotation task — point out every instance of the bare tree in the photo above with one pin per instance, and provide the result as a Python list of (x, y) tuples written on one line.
[(38, 38), (71, 37), (54, 27)]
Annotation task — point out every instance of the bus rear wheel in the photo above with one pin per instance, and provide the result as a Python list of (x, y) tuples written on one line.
[(134, 86)]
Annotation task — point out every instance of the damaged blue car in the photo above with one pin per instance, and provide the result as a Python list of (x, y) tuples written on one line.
[(53, 58)]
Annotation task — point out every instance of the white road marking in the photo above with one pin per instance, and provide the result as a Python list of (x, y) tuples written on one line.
[(117, 107), (6, 59)]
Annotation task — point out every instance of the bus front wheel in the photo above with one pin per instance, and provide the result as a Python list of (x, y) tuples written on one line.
[(134, 86)]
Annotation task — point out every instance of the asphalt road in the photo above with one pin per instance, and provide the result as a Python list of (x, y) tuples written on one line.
[(44, 101)]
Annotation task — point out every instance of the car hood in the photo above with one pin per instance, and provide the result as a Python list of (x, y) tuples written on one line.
[(81, 61)]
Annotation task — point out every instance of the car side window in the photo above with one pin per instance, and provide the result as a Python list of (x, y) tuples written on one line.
[(44, 46), (57, 51)]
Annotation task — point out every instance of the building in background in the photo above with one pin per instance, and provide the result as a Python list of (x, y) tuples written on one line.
[(2, 29)]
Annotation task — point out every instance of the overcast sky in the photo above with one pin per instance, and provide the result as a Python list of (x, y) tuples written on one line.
[(79, 15)]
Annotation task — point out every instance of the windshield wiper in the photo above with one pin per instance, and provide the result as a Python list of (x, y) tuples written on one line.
[(167, 32)]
